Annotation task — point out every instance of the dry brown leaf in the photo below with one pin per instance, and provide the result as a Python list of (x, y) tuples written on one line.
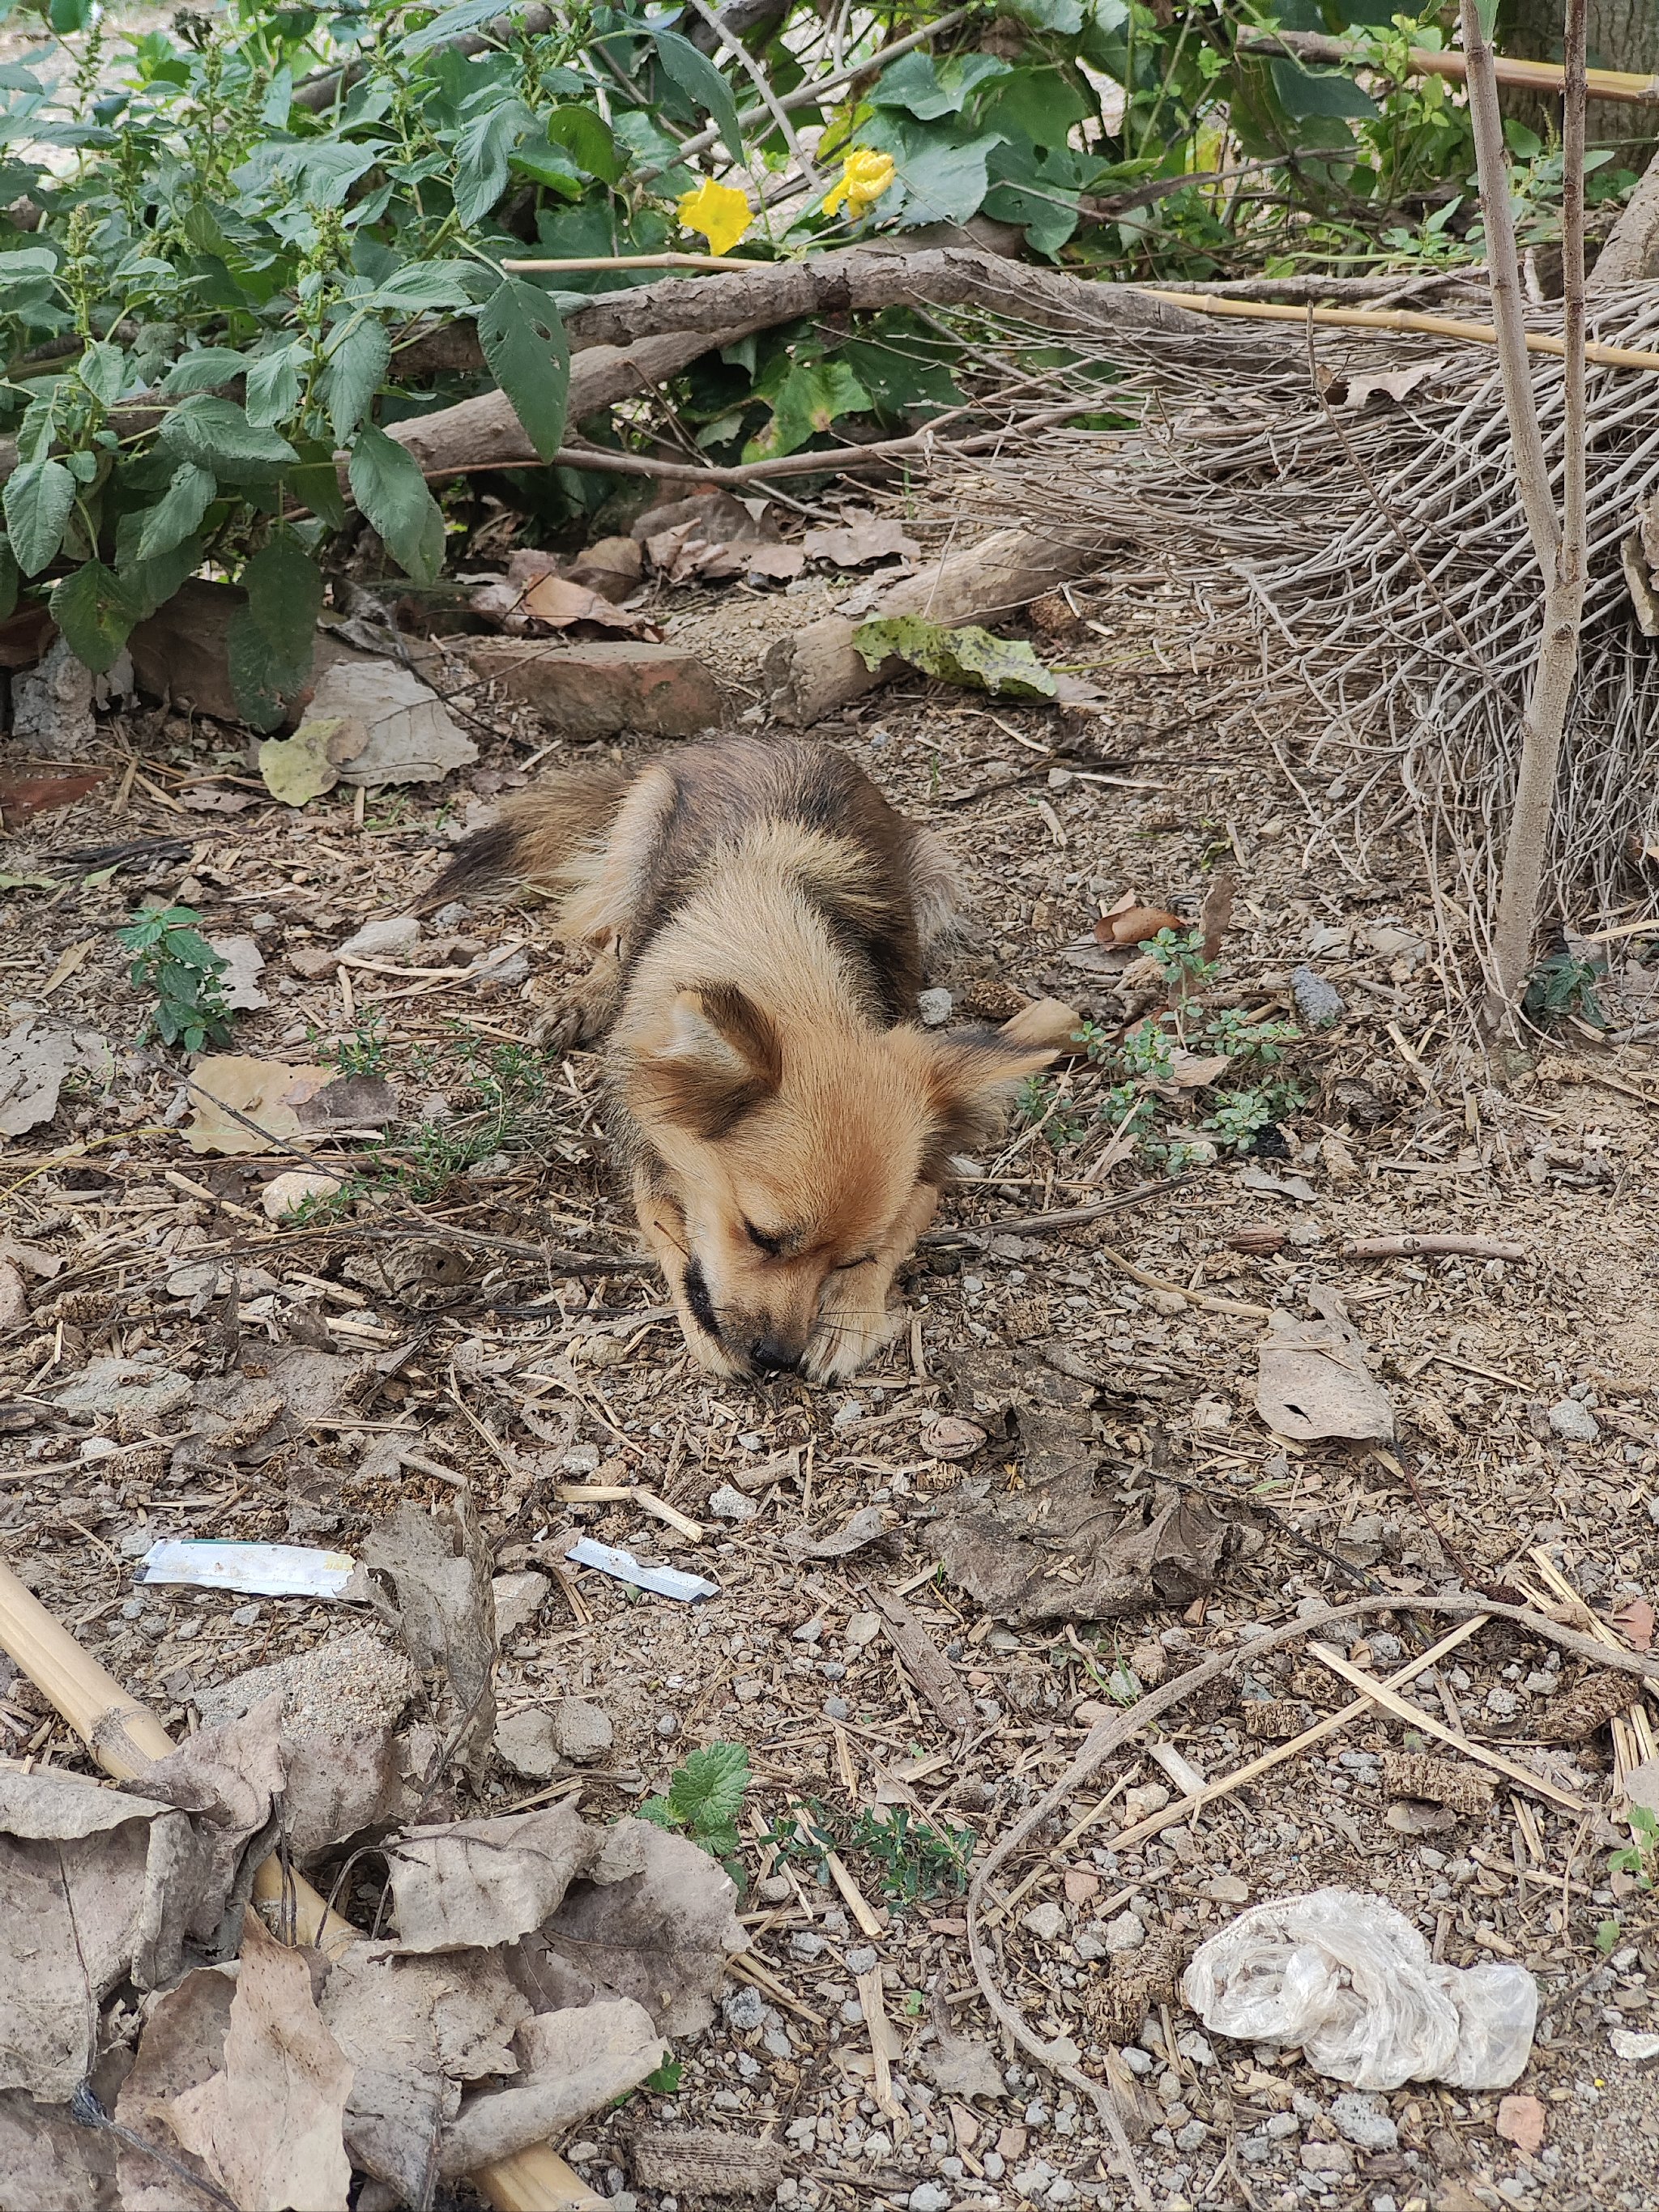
[(182, 2046), (571, 2064), (85, 1874), (1217, 912), (1135, 924), (963, 2066), (777, 563), (862, 538), (344, 1102), (1634, 1622), (1396, 383), (270, 2128), (1521, 2120), (260, 1089), (557, 603), (661, 1935), (230, 1780), (484, 1882), (441, 1568), (1314, 1383), (414, 2030), (612, 567), (49, 2163)]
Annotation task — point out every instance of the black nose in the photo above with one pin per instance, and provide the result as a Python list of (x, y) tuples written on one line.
[(768, 1358)]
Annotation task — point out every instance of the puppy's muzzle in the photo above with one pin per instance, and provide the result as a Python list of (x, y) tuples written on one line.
[(769, 1358)]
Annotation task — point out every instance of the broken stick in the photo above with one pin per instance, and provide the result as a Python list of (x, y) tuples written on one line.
[(125, 1738), (1412, 1247), (923, 1660), (1379, 1693)]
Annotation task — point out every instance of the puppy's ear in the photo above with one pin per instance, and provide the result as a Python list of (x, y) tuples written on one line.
[(970, 1077), (717, 1057)]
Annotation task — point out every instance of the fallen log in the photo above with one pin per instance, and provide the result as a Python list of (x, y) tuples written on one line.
[(818, 669)]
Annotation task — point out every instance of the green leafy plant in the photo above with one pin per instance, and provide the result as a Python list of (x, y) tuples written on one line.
[(910, 1857), (703, 1799), (1640, 1857), (1607, 1932), (181, 970), (1561, 985), (665, 2081)]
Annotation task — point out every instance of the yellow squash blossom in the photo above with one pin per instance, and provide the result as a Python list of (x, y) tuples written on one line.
[(865, 176), (720, 213)]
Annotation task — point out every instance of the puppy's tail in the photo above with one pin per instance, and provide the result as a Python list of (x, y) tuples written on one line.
[(548, 838)]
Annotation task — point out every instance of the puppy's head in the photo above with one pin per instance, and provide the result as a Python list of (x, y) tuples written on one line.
[(798, 1153)]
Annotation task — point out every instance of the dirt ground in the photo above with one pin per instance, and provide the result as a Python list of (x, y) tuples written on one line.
[(523, 1378)]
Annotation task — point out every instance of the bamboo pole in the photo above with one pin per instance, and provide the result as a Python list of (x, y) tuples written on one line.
[(1312, 46), (125, 1738), (1401, 319)]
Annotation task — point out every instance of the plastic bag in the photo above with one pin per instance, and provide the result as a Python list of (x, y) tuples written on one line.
[(1350, 1979)]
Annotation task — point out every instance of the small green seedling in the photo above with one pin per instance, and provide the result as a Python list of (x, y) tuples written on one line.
[(1561, 985), (182, 970), (1607, 1932), (702, 1801), (1640, 1857), (665, 2081)]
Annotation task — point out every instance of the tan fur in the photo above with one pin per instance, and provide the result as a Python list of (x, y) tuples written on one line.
[(785, 1124)]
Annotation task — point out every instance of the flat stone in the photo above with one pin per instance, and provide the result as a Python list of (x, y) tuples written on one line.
[(109, 1388), (1046, 1922), (1318, 1001), (518, 1599), (590, 691), (391, 939), (1363, 2121), (935, 1007), (583, 1732), (1573, 1423), (1125, 1933), (728, 1503), (1326, 2158), (528, 1742)]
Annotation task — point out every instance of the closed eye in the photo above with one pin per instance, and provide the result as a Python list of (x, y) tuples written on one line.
[(769, 1242), (840, 1268)]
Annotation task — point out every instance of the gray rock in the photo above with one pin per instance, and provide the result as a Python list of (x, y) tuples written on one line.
[(667, 1724), (861, 1959), (518, 1599), (583, 1732), (1137, 2060), (1282, 2126), (806, 1944), (529, 1742), (1363, 2121), (1125, 1933), (935, 1008), (837, 1708), (1318, 1002), (775, 1890), (928, 2197), (1191, 2137), (383, 940), (1046, 1922), (730, 1504), (743, 2011), (1573, 1423), (109, 1387)]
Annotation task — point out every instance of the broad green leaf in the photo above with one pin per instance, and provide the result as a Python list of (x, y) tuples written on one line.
[(1065, 17), (524, 344), (423, 284), (450, 23), (103, 369), (38, 497), (353, 373), (482, 147), (707, 1790), (927, 91), (270, 641), (273, 385), (388, 487), (586, 136), (94, 613), (1039, 104), (179, 511), (970, 656), (66, 15), (316, 483), (1303, 93), (807, 402), (549, 165), (209, 370), (697, 77), (216, 434)]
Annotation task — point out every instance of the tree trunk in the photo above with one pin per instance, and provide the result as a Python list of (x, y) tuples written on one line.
[(1624, 34)]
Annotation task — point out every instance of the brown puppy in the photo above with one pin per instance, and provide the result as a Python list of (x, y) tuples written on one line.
[(759, 915)]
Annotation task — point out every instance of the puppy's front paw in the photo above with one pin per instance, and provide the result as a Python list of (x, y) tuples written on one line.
[(845, 1337)]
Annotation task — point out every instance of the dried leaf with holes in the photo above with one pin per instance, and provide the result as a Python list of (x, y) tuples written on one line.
[(859, 540), (226, 1086), (1314, 1383)]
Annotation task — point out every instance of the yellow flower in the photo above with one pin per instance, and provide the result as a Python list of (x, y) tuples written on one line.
[(865, 176), (720, 213)]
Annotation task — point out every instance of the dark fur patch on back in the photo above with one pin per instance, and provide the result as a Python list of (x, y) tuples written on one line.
[(488, 857)]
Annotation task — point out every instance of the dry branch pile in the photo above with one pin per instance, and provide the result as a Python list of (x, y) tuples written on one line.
[(1360, 498)]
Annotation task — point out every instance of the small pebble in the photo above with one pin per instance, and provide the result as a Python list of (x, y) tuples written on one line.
[(1318, 1001), (1125, 1933), (935, 1007), (1573, 1423), (1364, 2121), (743, 2011), (837, 1708), (729, 1504), (852, 2012), (667, 1724), (806, 1944), (861, 1959), (928, 2197), (1046, 1922)]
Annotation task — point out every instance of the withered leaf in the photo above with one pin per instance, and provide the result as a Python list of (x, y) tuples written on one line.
[(484, 1882), (571, 2064)]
